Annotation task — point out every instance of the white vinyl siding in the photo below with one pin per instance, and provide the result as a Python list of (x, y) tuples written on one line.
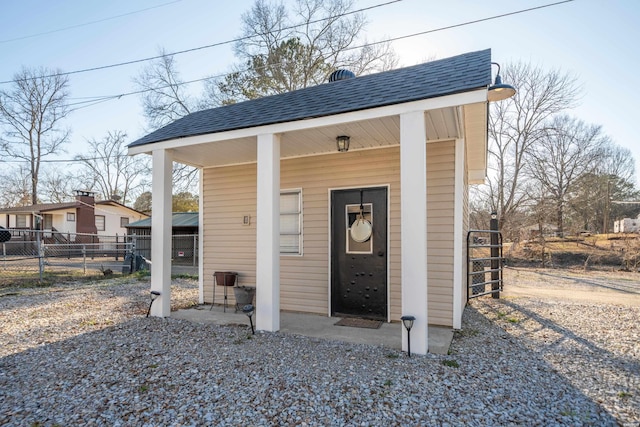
[(440, 223), (229, 194)]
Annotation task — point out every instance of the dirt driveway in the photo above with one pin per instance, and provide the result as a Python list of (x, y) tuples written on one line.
[(608, 287)]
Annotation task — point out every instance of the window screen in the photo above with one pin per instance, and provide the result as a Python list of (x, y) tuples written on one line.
[(21, 221), (291, 222), (100, 222)]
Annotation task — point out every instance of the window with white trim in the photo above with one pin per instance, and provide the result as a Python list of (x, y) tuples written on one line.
[(21, 221), (71, 216), (124, 221), (291, 222), (100, 222)]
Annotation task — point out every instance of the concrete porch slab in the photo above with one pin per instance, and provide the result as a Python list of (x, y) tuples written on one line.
[(313, 325)]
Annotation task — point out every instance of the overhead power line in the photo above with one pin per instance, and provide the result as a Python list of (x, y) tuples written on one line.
[(90, 101), (209, 46), (71, 27), (151, 58)]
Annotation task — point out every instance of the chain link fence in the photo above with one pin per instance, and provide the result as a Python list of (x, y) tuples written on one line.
[(40, 252)]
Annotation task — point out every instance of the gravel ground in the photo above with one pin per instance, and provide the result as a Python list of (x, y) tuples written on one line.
[(86, 355)]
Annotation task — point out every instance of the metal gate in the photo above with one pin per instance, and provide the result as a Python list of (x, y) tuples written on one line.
[(484, 261)]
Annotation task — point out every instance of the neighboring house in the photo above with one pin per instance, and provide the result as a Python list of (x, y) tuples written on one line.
[(83, 216), (182, 223), (281, 205), (627, 225), (184, 228)]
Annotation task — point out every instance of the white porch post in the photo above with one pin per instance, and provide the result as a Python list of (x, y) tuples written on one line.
[(268, 234), (413, 228), (161, 232), (459, 279), (201, 237)]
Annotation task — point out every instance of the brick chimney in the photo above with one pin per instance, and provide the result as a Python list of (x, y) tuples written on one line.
[(85, 215)]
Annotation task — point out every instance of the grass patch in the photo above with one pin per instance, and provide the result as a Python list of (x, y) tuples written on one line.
[(513, 320), (141, 274), (392, 355), (450, 363), (89, 322), (185, 276), (241, 339), (469, 332), (624, 395), (31, 279)]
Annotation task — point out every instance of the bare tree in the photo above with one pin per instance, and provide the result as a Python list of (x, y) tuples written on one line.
[(567, 149), (282, 50), (616, 161), (515, 126), (58, 185), (31, 114), (15, 187), (111, 171), (165, 98), (612, 179)]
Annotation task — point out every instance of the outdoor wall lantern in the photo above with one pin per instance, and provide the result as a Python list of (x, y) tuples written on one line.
[(407, 321), (154, 296), (248, 310), (343, 143), (500, 91)]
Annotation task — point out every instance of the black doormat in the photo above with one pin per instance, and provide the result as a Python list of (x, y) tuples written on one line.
[(359, 323)]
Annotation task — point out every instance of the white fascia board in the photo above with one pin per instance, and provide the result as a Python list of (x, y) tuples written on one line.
[(479, 95), (477, 176)]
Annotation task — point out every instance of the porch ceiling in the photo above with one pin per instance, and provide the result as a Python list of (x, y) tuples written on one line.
[(442, 124)]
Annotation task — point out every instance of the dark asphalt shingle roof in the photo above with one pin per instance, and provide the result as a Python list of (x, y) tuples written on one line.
[(46, 207), (178, 219), (447, 76), (39, 207)]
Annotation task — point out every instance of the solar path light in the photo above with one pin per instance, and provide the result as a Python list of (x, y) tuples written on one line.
[(407, 321), (154, 296), (248, 310)]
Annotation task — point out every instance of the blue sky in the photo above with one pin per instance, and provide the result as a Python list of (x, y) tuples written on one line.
[(597, 40)]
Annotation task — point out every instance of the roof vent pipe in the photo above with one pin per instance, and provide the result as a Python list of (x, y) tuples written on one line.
[(341, 75)]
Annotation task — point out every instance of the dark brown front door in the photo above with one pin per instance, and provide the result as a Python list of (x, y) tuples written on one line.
[(359, 262)]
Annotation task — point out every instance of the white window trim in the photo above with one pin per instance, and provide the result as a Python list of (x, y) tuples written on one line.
[(26, 220), (301, 223), (104, 222)]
